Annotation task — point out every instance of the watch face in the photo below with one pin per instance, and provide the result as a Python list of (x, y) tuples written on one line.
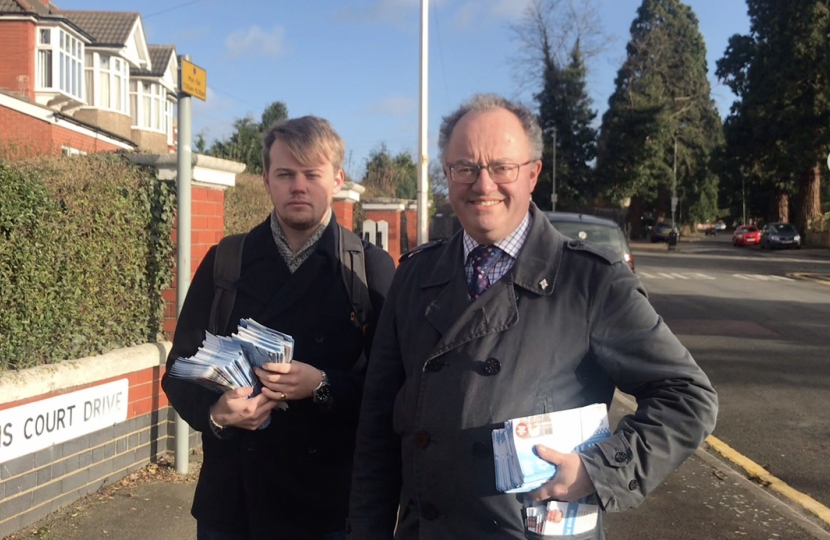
[(321, 395)]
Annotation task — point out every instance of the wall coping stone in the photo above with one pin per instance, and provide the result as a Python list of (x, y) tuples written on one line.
[(45, 379), (208, 171)]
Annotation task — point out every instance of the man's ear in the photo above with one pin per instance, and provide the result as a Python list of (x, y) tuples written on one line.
[(265, 179), (535, 169), (339, 180)]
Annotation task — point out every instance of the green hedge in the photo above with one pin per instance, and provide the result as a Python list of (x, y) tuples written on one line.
[(85, 252), (247, 204)]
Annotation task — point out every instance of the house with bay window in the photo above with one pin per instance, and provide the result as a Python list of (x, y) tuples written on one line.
[(83, 81)]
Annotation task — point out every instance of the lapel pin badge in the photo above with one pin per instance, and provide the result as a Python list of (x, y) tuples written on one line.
[(543, 284)]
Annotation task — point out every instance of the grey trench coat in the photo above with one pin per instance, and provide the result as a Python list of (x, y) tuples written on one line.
[(564, 327)]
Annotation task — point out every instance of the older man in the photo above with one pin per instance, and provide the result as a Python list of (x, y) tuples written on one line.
[(509, 319)]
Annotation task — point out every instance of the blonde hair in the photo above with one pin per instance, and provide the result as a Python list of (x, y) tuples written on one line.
[(308, 138)]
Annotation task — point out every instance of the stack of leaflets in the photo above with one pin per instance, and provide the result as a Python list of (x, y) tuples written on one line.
[(554, 518), (226, 363), (519, 468)]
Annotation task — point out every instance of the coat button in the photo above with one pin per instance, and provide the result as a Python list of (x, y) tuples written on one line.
[(633, 485), (429, 512), (435, 365), (311, 449), (492, 366), (620, 457), (318, 338), (480, 450), (422, 439)]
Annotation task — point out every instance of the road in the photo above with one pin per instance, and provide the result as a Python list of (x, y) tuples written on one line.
[(764, 340)]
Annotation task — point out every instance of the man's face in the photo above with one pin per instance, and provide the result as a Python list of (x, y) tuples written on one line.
[(301, 194), (490, 212)]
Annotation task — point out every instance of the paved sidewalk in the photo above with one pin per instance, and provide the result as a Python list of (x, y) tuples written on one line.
[(704, 499)]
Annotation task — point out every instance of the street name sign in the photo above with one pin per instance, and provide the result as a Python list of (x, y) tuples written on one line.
[(193, 80), (38, 425)]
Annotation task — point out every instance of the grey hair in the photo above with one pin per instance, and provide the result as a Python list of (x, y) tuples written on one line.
[(488, 102)]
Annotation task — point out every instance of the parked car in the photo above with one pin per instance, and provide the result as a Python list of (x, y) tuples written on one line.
[(746, 235), (720, 226), (593, 229), (660, 232), (780, 235)]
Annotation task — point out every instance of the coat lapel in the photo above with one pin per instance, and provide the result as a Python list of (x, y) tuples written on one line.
[(288, 289), (461, 320)]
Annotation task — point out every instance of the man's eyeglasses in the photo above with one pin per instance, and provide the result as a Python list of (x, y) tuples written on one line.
[(500, 173)]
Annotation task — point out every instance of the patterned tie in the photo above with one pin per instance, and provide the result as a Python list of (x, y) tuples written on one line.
[(481, 258)]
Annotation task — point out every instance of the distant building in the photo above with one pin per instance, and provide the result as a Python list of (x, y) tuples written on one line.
[(83, 81)]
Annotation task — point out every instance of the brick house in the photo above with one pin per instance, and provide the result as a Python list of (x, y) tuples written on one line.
[(82, 81)]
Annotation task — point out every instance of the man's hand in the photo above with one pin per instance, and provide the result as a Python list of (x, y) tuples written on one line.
[(235, 409), (571, 481), (294, 380)]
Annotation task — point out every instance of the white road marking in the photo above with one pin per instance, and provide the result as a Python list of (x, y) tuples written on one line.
[(705, 277)]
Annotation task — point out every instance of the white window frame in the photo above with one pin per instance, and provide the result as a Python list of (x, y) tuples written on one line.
[(59, 62), (111, 76), (149, 100)]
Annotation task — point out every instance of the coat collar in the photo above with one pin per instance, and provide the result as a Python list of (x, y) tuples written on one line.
[(461, 320), (535, 269)]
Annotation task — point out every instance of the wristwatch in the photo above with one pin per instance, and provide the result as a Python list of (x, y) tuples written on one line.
[(322, 393)]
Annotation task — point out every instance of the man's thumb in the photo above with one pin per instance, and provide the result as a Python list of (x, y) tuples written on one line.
[(549, 454)]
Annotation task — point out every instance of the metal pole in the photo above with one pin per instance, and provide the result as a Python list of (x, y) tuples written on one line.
[(423, 157), (674, 184), (553, 196), (743, 201), (183, 238)]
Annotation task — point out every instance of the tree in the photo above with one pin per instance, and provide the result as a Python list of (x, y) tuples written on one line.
[(564, 106), (245, 143), (777, 132), (388, 176), (555, 37), (661, 118)]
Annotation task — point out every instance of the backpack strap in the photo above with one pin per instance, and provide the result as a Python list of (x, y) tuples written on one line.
[(353, 268), (227, 267)]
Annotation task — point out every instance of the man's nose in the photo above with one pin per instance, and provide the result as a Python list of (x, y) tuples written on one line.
[(484, 183)]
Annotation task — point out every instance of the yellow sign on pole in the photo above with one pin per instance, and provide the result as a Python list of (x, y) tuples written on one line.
[(193, 80)]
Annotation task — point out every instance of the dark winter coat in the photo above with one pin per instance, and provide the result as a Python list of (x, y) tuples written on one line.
[(290, 480), (562, 329)]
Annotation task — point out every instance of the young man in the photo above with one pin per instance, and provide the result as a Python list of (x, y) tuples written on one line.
[(291, 479), (509, 319)]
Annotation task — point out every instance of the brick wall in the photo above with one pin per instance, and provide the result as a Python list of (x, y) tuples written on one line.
[(393, 218), (344, 213), (23, 136), (207, 228), (17, 70), (34, 485)]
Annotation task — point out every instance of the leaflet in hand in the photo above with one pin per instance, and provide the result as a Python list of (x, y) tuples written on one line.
[(554, 518), (226, 363), (519, 468)]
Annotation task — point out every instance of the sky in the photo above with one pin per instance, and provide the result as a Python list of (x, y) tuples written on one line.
[(356, 62)]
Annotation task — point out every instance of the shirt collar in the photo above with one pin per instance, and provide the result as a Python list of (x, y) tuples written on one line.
[(511, 245)]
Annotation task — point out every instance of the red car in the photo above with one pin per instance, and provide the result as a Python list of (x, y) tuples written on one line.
[(746, 235)]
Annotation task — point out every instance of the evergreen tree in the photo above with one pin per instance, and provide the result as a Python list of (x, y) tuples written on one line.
[(245, 143), (390, 176), (564, 105), (777, 132), (661, 103)]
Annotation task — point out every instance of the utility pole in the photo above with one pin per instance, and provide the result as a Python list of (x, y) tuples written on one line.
[(553, 197), (674, 185), (743, 200), (423, 157)]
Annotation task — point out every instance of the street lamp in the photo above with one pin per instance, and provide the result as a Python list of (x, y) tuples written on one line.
[(552, 131)]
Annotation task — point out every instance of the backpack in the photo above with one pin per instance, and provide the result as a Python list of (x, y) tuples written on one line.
[(227, 268)]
